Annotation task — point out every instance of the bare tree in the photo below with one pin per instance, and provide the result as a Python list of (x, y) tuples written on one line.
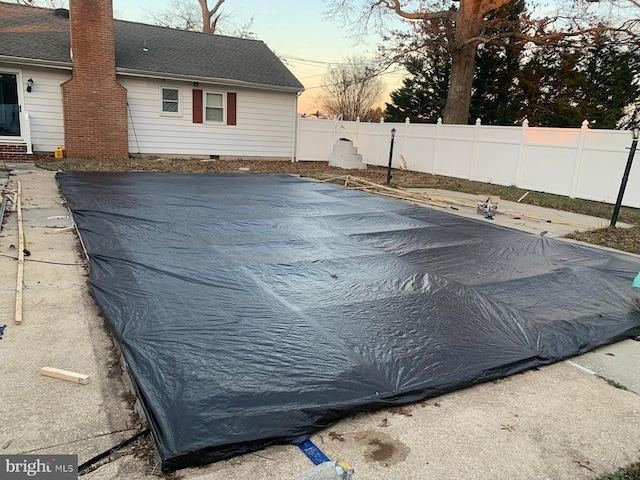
[(181, 14), (44, 3), (210, 16), (187, 15), (351, 89), (471, 26)]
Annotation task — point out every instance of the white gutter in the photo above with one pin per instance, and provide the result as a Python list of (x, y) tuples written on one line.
[(34, 62), (219, 81)]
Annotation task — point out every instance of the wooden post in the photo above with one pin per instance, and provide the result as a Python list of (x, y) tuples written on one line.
[(19, 281)]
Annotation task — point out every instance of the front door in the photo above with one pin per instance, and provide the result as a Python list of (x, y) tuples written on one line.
[(9, 106)]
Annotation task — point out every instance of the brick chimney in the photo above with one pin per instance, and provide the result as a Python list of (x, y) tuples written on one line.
[(95, 104)]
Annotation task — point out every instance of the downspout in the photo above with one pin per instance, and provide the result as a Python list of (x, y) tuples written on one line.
[(296, 131)]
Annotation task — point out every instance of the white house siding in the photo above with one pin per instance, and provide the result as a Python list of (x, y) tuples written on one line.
[(44, 105), (265, 122)]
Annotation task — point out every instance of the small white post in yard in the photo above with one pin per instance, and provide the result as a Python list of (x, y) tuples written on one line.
[(381, 140), (474, 153), (523, 140), (407, 122), (337, 127), (577, 164), (435, 148)]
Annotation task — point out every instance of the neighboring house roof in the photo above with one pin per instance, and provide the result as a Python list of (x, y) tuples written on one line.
[(38, 36)]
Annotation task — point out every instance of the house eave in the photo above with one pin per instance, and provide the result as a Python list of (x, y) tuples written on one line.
[(35, 62), (218, 81)]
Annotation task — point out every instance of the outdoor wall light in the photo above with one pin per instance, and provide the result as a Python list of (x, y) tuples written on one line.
[(29, 85)]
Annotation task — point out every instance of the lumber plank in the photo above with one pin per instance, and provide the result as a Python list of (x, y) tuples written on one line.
[(65, 375), (20, 276)]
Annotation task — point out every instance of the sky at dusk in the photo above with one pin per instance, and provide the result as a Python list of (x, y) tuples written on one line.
[(298, 31)]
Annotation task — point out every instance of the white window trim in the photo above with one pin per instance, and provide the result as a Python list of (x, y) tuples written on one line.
[(5, 139), (224, 107), (180, 101)]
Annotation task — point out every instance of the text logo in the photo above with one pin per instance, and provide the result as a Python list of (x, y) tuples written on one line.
[(46, 467)]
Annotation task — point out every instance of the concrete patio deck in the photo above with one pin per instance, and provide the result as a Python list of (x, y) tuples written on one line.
[(560, 422)]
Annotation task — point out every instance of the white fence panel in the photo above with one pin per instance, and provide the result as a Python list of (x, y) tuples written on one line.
[(546, 168), (420, 147), (496, 163), (455, 150), (315, 139), (575, 162), (370, 143)]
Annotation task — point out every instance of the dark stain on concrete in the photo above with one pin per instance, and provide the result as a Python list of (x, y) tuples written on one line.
[(382, 448)]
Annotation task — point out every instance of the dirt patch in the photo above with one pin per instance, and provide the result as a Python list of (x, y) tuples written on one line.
[(625, 239), (618, 238)]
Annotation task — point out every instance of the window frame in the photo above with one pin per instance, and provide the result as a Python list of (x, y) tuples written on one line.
[(180, 101), (223, 107)]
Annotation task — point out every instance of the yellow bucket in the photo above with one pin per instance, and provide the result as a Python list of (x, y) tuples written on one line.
[(59, 152)]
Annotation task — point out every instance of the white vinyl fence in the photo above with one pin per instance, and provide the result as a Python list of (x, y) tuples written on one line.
[(574, 162)]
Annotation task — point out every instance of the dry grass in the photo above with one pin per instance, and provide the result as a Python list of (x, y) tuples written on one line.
[(618, 238)]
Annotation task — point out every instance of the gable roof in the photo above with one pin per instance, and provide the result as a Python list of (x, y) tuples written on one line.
[(37, 36)]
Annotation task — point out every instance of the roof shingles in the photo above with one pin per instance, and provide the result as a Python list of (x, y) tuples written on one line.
[(38, 34)]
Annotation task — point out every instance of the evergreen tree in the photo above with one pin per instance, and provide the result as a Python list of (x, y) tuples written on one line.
[(551, 88), (598, 83), (423, 95), (611, 81), (498, 67)]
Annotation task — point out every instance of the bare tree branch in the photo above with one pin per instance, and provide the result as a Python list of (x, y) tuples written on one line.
[(210, 17), (462, 26), (546, 39), (351, 89)]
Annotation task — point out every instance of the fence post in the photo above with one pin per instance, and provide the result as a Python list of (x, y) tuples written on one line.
[(474, 152), (380, 141), (523, 140), (337, 128), (403, 163), (296, 131), (435, 150), (577, 165)]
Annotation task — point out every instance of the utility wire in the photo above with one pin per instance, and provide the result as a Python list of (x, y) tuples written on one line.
[(337, 84)]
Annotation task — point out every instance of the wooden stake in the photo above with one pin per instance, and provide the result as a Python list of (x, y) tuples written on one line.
[(19, 281), (65, 375), (523, 197), (542, 220)]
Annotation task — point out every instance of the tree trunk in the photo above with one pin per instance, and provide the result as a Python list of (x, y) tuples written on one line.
[(206, 16), (463, 49), (463, 63)]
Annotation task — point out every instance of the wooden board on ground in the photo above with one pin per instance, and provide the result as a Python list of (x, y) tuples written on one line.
[(65, 375)]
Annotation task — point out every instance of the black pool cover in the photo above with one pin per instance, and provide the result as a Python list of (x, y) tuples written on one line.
[(257, 309)]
